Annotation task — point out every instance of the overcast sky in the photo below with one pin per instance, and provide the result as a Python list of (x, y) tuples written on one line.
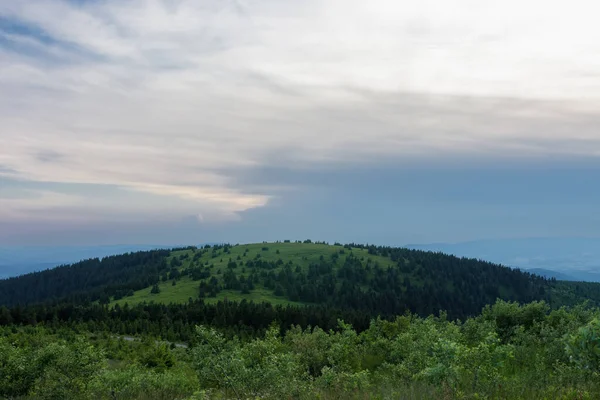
[(392, 122)]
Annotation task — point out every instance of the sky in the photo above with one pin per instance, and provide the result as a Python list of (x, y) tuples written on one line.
[(382, 121)]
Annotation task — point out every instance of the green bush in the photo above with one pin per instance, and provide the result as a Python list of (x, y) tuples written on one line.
[(57, 370), (510, 351), (135, 382), (583, 347)]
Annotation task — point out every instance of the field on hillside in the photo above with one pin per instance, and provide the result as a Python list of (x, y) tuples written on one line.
[(299, 254)]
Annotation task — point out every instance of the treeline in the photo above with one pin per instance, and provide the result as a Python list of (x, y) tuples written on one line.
[(85, 281), (175, 322)]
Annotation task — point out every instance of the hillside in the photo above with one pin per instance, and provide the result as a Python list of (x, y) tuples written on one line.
[(374, 280), (20, 260), (85, 281), (198, 266)]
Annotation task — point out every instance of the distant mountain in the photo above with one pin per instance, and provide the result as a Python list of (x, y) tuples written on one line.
[(551, 274), (569, 258), (8, 270)]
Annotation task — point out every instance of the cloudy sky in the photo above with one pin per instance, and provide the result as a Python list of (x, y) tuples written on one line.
[(382, 121)]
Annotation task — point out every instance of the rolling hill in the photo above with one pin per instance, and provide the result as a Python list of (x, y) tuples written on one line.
[(371, 279)]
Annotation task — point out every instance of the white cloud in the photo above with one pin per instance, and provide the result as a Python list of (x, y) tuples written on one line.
[(156, 96)]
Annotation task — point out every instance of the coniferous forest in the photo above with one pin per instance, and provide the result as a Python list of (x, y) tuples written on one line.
[(296, 320)]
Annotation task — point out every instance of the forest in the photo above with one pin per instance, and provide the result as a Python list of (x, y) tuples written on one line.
[(297, 320), (373, 279)]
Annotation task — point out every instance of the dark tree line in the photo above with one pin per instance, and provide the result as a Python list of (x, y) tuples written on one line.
[(88, 280), (176, 322)]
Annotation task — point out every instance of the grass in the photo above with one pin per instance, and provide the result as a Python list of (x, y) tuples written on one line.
[(302, 254), (187, 288), (258, 295), (180, 293)]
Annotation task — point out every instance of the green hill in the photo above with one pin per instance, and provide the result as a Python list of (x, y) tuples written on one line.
[(370, 279), (216, 262)]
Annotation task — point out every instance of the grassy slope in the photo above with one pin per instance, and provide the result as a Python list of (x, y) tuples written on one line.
[(302, 254)]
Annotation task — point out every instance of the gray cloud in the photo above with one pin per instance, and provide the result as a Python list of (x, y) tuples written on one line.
[(6, 170), (220, 108), (49, 156)]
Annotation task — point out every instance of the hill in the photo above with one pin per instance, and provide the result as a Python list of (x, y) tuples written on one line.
[(370, 279)]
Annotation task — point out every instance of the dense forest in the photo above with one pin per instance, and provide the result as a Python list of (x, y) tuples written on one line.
[(296, 320), (86, 280)]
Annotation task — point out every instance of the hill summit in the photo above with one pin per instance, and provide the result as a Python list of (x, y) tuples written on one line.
[(372, 279)]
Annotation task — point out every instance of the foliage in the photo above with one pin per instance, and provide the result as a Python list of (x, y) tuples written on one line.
[(410, 357), (135, 382), (509, 351), (56, 370), (584, 346)]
